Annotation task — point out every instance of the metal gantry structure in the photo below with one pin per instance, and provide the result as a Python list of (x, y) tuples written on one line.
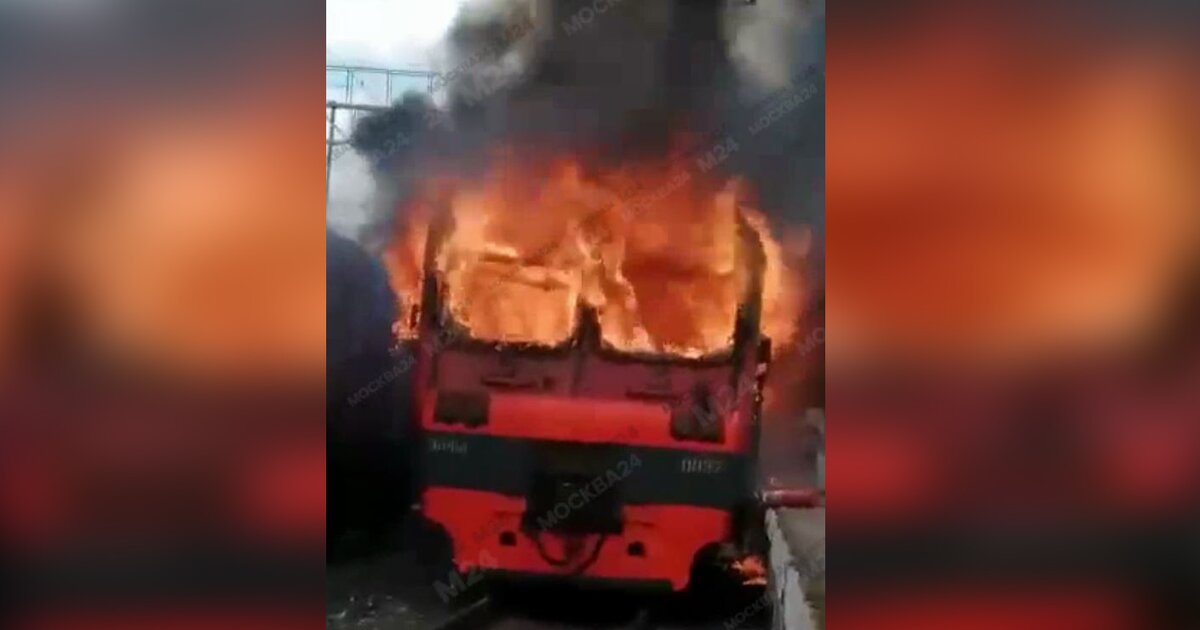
[(352, 91)]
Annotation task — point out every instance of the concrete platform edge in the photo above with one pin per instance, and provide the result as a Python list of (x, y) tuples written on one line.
[(796, 571)]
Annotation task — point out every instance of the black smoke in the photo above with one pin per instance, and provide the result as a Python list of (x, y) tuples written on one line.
[(613, 79)]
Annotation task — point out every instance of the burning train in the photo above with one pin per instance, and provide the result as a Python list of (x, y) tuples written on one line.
[(590, 377), (591, 307)]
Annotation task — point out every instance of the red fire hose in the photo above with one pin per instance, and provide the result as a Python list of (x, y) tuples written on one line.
[(791, 498)]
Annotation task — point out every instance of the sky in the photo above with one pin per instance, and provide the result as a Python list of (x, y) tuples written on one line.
[(402, 34), (388, 33)]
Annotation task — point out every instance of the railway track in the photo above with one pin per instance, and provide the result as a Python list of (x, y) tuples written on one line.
[(484, 616), (395, 591), (487, 614)]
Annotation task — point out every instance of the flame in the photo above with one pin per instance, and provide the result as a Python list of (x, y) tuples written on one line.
[(751, 569), (665, 268)]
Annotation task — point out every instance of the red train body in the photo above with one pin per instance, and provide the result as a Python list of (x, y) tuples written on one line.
[(581, 461)]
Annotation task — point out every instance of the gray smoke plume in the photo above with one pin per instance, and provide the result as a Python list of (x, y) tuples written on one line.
[(613, 79)]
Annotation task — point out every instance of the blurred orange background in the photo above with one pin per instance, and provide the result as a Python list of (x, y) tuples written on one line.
[(1005, 189), (1013, 274), (162, 311)]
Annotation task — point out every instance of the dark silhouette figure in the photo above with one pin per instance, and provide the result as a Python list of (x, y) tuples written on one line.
[(367, 476)]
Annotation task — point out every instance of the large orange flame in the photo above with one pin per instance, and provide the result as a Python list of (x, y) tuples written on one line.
[(665, 269)]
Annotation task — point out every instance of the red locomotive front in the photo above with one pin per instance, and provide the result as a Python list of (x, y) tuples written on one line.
[(583, 455)]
